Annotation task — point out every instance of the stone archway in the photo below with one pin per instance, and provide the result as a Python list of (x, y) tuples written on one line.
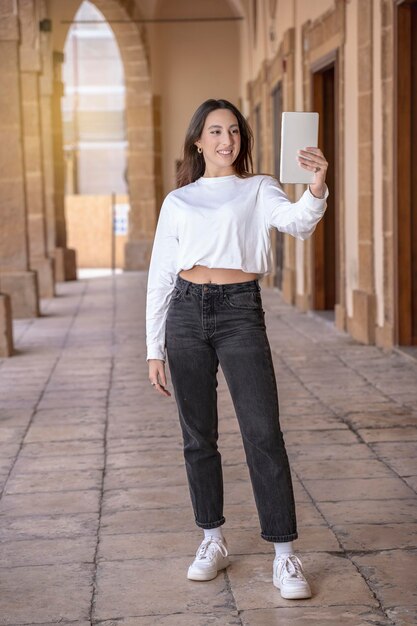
[(143, 152)]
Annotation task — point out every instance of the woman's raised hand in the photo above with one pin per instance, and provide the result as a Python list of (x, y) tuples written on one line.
[(157, 376), (313, 160)]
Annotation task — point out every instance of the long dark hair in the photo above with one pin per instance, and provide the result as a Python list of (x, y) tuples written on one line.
[(193, 165)]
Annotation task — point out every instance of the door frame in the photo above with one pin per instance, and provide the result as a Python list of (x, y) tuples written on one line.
[(326, 62), (402, 176)]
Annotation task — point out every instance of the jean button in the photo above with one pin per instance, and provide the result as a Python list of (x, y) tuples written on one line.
[(205, 288)]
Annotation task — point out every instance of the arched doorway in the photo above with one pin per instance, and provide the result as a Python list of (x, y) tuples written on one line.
[(94, 141), (143, 171)]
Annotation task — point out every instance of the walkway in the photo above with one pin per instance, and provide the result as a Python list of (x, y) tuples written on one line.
[(96, 524)]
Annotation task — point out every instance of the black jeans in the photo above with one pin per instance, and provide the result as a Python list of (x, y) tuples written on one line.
[(211, 323)]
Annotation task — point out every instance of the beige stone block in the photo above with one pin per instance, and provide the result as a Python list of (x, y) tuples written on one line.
[(373, 435), (288, 285), (29, 87), (137, 254), (403, 616), (50, 503), (6, 328), (74, 480), (302, 302), (22, 287), (335, 451), (178, 619), (50, 593), (30, 60), (58, 448), (412, 481), (33, 165), (65, 264), (375, 537), (148, 545), (362, 325), (369, 512), (335, 490), (10, 115), (340, 317), (364, 70), (128, 588), (48, 551), (165, 457), (343, 615), (59, 463), (44, 268), (333, 581), (48, 526), (146, 497), (384, 336), (145, 477), (148, 520), (388, 575), (362, 468), (365, 217), (319, 437), (64, 432), (9, 27), (139, 117)]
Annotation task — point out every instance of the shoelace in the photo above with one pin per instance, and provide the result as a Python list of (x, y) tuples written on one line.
[(209, 547), (292, 566)]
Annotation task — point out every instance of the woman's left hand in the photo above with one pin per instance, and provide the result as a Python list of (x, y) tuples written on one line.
[(312, 159)]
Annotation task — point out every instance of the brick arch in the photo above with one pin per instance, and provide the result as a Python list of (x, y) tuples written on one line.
[(142, 157)]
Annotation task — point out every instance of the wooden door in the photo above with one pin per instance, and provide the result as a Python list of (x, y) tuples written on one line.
[(325, 238), (406, 130)]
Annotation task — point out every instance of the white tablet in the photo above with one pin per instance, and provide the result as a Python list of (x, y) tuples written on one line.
[(298, 131)]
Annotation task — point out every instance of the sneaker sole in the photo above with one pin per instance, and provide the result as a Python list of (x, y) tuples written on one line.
[(295, 595), (203, 576)]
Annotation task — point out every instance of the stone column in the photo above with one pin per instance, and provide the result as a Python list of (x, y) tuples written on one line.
[(53, 158), (288, 83), (65, 258), (30, 67), (6, 330), (16, 279), (141, 111), (363, 322)]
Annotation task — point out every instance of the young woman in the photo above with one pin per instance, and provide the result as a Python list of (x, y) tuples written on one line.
[(204, 307)]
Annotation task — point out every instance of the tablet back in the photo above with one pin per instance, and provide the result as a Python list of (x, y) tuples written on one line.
[(298, 131)]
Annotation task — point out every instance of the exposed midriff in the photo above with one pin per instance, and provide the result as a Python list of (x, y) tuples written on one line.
[(202, 274)]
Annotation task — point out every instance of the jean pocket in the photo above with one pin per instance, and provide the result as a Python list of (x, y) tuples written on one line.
[(177, 294), (244, 300)]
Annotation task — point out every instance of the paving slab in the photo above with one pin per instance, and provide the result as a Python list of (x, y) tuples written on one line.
[(357, 489), (375, 537), (97, 511), (342, 615), (391, 575), (334, 580), (128, 589), (46, 593), (48, 551)]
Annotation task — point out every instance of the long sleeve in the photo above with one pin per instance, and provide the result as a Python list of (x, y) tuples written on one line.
[(161, 280), (298, 219)]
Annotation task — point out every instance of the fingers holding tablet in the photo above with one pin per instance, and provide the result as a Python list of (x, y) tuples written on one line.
[(312, 159)]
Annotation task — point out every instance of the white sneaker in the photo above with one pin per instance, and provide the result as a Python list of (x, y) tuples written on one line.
[(211, 557), (289, 577)]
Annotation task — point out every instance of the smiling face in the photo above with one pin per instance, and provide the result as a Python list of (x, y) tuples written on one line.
[(220, 142)]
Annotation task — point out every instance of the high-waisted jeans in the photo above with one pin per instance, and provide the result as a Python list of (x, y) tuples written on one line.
[(211, 323)]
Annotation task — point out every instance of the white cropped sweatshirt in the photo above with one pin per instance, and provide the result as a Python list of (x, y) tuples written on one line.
[(219, 222)]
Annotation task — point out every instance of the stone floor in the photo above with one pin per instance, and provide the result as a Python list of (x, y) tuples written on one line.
[(96, 525)]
